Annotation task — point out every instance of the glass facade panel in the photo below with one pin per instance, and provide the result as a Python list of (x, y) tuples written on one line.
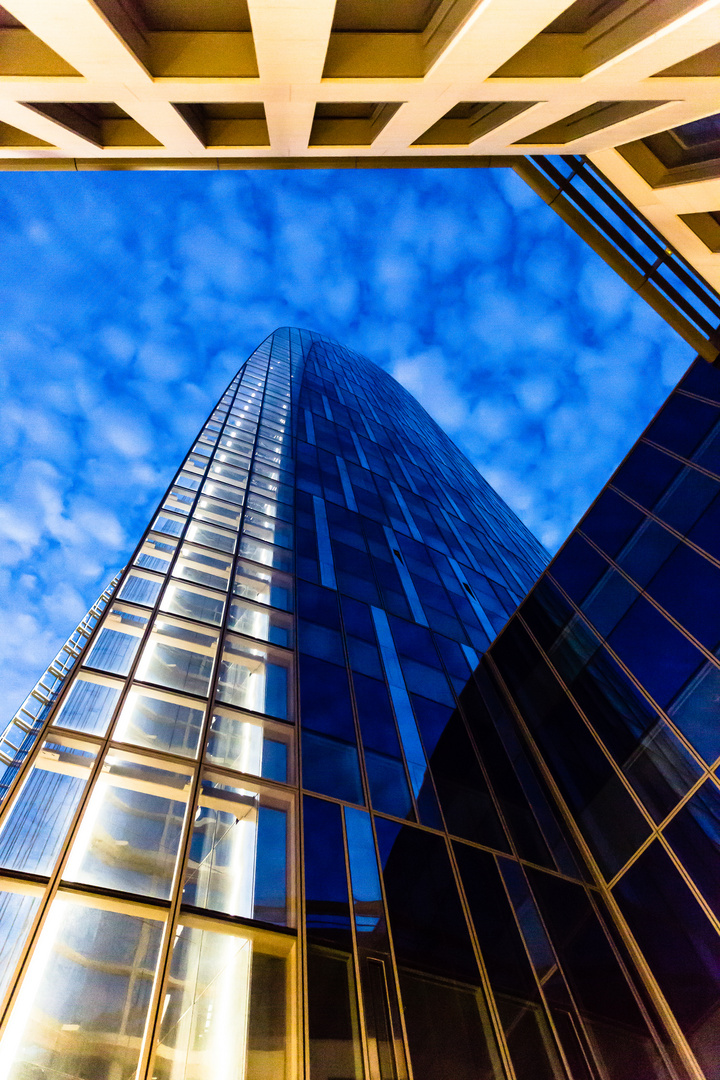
[(129, 835), (161, 721), (256, 678), (226, 1009), (179, 656), (476, 765), (83, 1004), (89, 704), (248, 744), (37, 821), (117, 643), (239, 854)]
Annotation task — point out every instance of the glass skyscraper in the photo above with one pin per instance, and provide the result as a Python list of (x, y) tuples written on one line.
[(290, 808)]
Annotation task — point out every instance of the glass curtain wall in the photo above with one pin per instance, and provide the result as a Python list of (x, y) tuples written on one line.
[(612, 664), (274, 827)]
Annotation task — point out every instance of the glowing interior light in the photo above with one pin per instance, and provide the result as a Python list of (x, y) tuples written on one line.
[(21, 1015)]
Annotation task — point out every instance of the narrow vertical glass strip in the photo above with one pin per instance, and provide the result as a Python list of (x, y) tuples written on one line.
[(409, 520), (346, 485), (327, 568), (476, 605), (407, 582), (359, 450), (407, 727)]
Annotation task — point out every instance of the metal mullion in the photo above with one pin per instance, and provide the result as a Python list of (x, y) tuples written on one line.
[(641, 689), (683, 270), (651, 1025), (712, 559), (54, 879), (151, 1034), (642, 965), (588, 724), (399, 1010), (490, 1003), (355, 959), (539, 984), (303, 1026), (684, 460)]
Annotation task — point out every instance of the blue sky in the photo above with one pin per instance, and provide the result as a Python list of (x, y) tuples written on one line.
[(128, 300)]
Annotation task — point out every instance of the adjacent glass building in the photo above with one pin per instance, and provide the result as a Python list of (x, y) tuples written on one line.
[(295, 810)]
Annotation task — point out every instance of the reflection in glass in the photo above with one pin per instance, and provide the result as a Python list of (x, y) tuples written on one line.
[(264, 586), (255, 678), (334, 1031), (249, 745), (83, 1004), (224, 1016), (155, 554), (33, 832), (201, 567), (129, 835), (458, 1046), (178, 656), (265, 553), (217, 513), (89, 704), (140, 588), (238, 861), (213, 538), (270, 530), (227, 492), (255, 622), (115, 646), (193, 602), (17, 909), (160, 720)]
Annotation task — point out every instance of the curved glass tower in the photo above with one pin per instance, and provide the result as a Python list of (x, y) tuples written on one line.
[(270, 826)]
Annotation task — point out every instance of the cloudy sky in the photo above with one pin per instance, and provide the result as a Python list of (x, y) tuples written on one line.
[(129, 300)]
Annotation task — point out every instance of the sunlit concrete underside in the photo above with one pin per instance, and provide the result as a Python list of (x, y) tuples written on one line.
[(214, 84)]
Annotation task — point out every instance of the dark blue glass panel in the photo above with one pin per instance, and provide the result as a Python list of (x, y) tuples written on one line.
[(357, 619), (613, 1021), (274, 760), (651, 757), (694, 833), (432, 719), (688, 587), (687, 499), (326, 892), (656, 653), (577, 567), (429, 929), (702, 379), (682, 424), (706, 532), (330, 767), (377, 724), (611, 521), (325, 698), (320, 641), (318, 605), (500, 942), (681, 946), (389, 792), (608, 601), (415, 641), (425, 680), (647, 551), (463, 792), (708, 455), (364, 657), (646, 474), (271, 869), (695, 711)]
